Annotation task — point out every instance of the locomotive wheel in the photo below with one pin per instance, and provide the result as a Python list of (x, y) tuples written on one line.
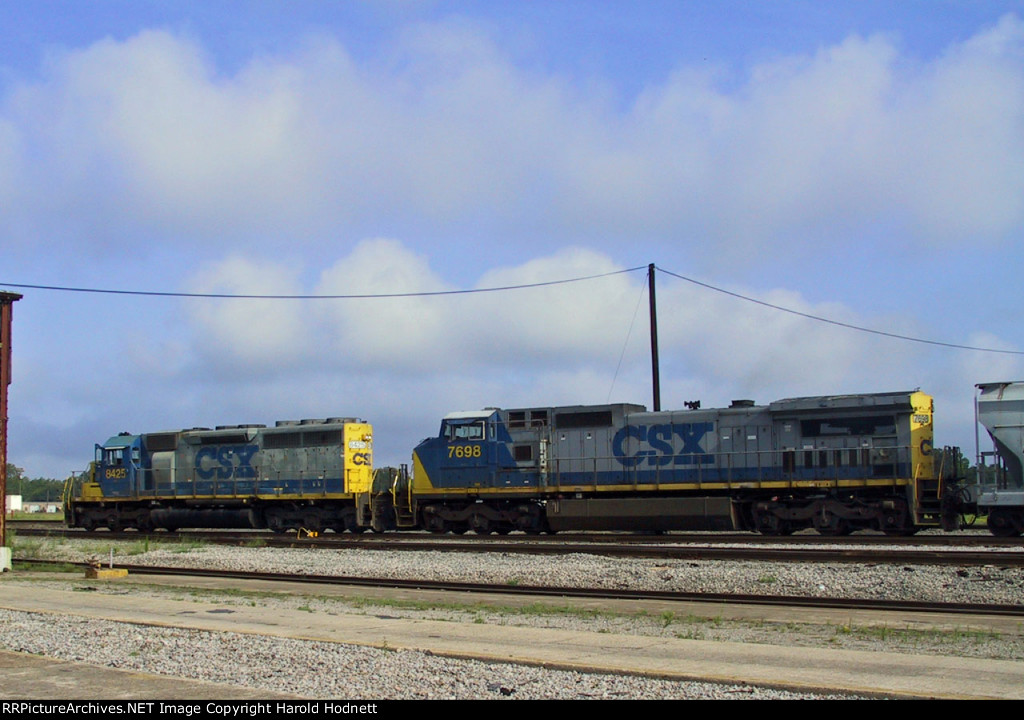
[(771, 524), (311, 522), (480, 524), (275, 522), (897, 522), (831, 525), (436, 524)]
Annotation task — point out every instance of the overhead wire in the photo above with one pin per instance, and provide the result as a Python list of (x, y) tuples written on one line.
[(838, 323), (367, 296), (503, 288)]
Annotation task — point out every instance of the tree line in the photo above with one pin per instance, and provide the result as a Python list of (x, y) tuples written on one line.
[(32, 490)]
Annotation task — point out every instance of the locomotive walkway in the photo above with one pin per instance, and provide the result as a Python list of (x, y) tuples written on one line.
[(801, 669)]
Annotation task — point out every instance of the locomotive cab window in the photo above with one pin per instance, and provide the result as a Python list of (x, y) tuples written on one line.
[(113, 456), (464, 431)]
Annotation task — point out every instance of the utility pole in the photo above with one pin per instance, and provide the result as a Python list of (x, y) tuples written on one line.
[(6, 301), (655, 372)]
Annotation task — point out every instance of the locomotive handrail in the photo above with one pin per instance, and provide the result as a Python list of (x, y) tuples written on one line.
[(236, 486), (732, 468)]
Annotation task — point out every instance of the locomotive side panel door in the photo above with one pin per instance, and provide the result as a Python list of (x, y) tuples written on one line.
[(788, 431)]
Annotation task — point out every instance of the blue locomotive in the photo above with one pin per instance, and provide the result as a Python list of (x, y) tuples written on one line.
[(297, 474), (834, 463)]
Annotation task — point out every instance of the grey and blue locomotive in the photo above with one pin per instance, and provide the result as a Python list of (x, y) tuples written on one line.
[(835, 463), (298, 474)]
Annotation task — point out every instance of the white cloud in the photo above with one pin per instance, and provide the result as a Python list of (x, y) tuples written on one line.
[(961, 145), (444, 126), (990, 367), (258, 333), (525, 336), (583, 322), (393, 333)]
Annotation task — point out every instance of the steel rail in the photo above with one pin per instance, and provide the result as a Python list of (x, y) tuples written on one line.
[(686, 550), (573, 592), (968, 537)]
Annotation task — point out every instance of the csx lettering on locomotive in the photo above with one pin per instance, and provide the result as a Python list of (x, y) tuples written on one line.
[(658, 446), (225, 462)]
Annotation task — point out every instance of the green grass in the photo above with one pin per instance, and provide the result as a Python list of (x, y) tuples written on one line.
[(29, 566), (911, 636), (185, 546), (37, 517), (42, 547)]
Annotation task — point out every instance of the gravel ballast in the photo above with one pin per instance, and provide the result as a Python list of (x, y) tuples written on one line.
[(283, 665)]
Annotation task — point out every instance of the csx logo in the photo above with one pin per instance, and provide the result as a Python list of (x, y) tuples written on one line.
[(361, 459), (657, 443), (226, 461)]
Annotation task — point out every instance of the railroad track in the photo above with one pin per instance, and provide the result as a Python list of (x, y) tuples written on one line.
[(969, 537), (825, 550), (574, 592)]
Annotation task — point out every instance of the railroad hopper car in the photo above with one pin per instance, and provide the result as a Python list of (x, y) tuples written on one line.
[(298, 474), (1000, 487), (835, 463)]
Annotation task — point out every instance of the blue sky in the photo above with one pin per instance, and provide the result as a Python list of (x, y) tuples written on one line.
[(860, 161)]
